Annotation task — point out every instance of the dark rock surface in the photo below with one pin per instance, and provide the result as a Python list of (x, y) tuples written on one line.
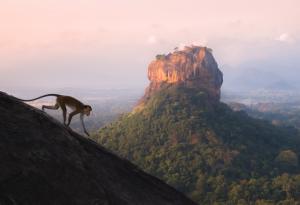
[(42, 162)]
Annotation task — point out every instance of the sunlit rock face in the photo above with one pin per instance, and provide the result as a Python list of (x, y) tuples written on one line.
[(193, 67)]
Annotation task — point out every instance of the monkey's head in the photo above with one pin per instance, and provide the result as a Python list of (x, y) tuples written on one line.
[(87, 110)]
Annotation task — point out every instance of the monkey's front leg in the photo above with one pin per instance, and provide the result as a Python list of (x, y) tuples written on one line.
[(86, 133), (82, 123)]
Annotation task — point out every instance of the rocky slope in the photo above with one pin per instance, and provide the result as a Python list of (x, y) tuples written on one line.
[(42, 162), (193, 67)]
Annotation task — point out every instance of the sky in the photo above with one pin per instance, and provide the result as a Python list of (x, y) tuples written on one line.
[(109, 44)]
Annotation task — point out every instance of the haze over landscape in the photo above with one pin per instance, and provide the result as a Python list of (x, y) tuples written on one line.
[(108, 44)]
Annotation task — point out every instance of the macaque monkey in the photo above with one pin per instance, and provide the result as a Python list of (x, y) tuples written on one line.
[(67, 101)]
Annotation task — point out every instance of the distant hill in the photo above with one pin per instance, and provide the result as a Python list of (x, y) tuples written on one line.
[(42, 163), (181, 133)]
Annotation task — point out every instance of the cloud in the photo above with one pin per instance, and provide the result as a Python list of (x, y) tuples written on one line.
[(152, 40), (202, 42), (285, 37), (182, 46)]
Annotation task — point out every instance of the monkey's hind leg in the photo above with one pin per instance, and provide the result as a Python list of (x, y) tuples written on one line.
[(54, 107), (64, 110)]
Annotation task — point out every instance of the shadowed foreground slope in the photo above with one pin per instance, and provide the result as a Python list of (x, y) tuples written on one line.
[(41, 162)]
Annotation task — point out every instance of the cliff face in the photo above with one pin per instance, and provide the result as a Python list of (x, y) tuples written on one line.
[(193, 67), (42, 162)]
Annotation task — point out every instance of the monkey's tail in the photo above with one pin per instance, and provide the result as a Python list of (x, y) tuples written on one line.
[(43, 96)]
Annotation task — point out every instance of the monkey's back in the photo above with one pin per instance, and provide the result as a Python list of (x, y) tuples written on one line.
[(69, 101)]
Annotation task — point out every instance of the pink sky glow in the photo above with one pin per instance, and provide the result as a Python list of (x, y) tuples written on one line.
[(110, 43)]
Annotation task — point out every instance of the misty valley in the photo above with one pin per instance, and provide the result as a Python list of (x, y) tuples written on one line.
[(280, 107)]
